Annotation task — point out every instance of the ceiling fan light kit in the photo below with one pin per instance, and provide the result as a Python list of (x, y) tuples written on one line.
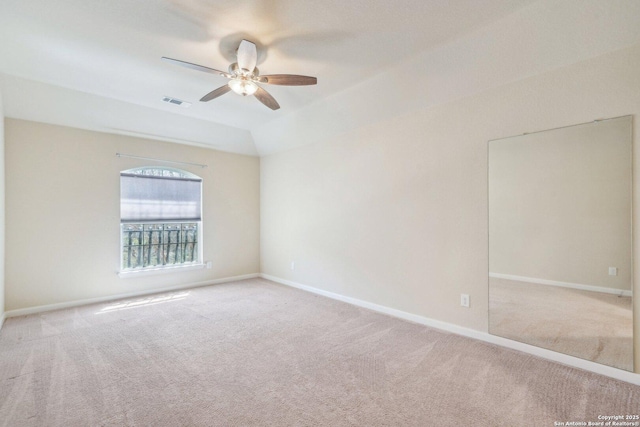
[(243, 87), (244, 75), (243, 81)]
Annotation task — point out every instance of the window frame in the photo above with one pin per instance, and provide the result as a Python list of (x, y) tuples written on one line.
[(152, 270)]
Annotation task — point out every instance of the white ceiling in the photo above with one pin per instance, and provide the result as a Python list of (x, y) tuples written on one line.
[(95, 64)]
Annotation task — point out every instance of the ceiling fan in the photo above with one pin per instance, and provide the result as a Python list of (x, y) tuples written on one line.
[(243, 77)]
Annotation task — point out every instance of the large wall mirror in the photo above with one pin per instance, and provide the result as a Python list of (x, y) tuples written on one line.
[(560, 243)]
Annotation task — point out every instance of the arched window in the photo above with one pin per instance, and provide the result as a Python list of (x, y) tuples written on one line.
[(160, 218)]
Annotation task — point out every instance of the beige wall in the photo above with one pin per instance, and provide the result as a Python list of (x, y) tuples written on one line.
[(560, 204), (63, 213), (395, 211), (2, 212)]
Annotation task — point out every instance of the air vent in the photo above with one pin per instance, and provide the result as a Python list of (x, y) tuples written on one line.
[(183, 104)]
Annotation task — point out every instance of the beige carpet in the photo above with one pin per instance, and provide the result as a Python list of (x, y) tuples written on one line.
[(255, 353), (590, 325)]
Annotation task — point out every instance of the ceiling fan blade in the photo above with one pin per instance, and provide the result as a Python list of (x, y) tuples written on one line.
[(266, 98), (215, 93), (288, 80), (196, 67), (247, 55)]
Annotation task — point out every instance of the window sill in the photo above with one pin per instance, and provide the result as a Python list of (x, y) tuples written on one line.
[(156, 271)]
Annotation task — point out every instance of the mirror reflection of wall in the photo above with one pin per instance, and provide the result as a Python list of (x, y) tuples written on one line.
[(560, 248)]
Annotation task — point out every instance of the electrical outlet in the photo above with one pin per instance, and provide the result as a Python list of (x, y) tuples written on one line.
[(613, 271), (293, 265), (464, 300), (209, 265)]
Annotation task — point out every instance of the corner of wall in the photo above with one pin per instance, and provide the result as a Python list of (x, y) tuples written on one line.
[(2, 313)]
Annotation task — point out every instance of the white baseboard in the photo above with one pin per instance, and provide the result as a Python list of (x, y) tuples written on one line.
[(575, 362), (562, 284), (2, 319), (68, 304)]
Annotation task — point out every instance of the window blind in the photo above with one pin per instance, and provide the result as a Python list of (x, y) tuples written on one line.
[(159, 198)]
